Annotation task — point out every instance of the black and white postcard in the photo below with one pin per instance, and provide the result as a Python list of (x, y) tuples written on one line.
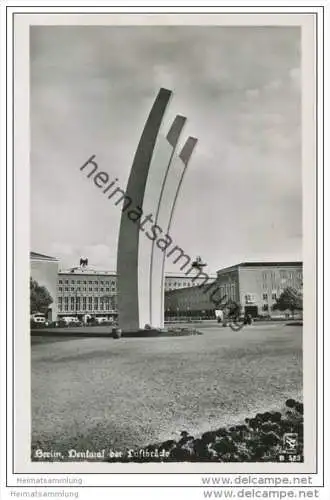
[(165, 249)]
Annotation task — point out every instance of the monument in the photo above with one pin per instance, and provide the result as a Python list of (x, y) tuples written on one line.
[(153, 186)]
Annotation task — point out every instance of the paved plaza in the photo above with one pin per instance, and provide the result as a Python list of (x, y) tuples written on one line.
[(92, 393)]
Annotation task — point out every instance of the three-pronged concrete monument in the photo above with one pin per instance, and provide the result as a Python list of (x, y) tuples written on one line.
[(153, 186)]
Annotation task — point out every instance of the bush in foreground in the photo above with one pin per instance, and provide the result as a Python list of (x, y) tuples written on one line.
[(260, 439)]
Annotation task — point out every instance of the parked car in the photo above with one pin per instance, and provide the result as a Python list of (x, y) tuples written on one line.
[(38, 320), (68, 321), (101, 319)]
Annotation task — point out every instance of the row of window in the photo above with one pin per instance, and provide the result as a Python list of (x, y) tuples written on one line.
[(86, 304), (224, 292), (84, 289), (85, 282), (265, 296), (252, 298), (229, 290), (283, 283), (179, 284), (283, 274)]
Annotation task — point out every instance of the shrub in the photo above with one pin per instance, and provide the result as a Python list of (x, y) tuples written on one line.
[(259, 439)]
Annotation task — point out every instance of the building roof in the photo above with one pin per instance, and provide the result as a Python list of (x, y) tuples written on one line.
[(40, 256), (86, 270), (93, 271), (261, 264), (187, 276)]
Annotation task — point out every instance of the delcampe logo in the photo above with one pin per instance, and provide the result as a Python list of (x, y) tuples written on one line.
[(290, 442)]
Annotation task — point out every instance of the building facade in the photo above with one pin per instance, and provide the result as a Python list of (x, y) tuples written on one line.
[(191, 302), (83, 290), (44, 270), (176, 281), (255, 286)]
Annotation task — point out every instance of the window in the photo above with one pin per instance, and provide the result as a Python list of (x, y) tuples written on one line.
[(101, 304), (96, 303), (250, 298), (85, 289), (78, 289), (84, 301), (60, 289), (60, 303), (101, 289), (66, 303), (265, 307), (90, 289), (72, 304), (78, 303), (96, 289), (107, 289), (273, 295), (90, 303), (265, 296), (72, 289), (72, 281), (66, 289), (264, 276), (95, 282), (101, 282), (60, 282), (85, 282)]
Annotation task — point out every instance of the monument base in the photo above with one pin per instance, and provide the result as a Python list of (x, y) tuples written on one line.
[(117, 333)]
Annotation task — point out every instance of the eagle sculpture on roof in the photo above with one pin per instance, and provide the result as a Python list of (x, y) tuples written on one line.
[(83, 262), (198, 263)]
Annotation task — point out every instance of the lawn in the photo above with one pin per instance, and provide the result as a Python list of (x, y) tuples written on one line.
[(96, 393)]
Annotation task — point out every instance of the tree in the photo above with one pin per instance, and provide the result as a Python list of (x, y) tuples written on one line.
[(40, 298), (290, 299)]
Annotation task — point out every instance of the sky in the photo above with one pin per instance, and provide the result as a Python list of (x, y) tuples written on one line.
[(91, 90)]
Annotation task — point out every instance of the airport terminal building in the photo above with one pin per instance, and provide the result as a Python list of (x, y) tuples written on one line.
[(84, 290), (255, 285), (176, 281)]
